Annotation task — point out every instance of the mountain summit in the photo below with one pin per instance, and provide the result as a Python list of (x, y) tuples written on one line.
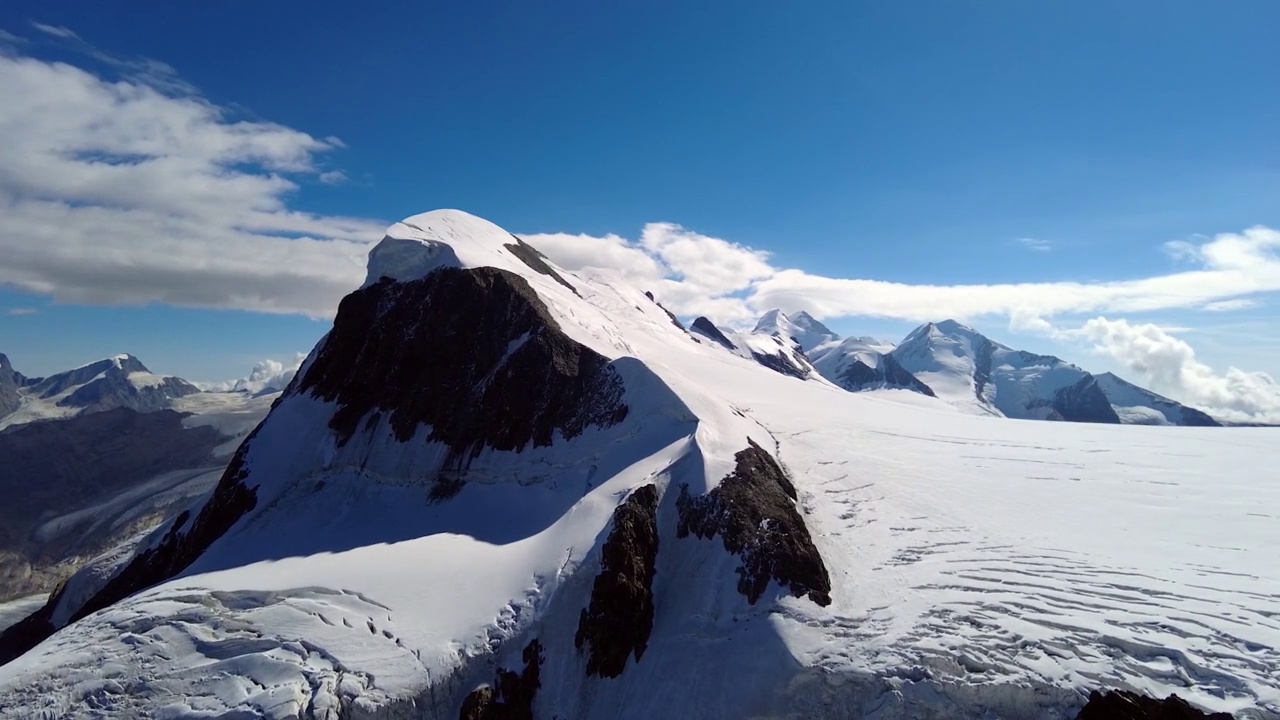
[(807, 331), (500, 489), (120, 381)]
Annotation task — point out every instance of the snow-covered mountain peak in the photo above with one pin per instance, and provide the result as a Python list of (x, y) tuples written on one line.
[(418, 245), (803, 327)]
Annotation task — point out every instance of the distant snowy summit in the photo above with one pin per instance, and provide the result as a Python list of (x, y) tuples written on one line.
[(121, 381), (957, 364)]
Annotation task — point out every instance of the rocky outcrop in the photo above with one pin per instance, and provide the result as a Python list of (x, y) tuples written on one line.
[(1084, 402), (616, 624), (672, 316), (473, 354), (511, 696), (1124, 705), (529, 255), (779, 362), (10, 381), (753, 511), (888, 374), (707, 329)]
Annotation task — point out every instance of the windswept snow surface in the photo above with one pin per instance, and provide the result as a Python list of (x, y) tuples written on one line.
[(980, 567)]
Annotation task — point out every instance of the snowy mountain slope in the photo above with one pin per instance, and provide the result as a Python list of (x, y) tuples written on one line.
[(779, 353), (629, 524), (119, 381), (806, 330), (984, 377), (860, 363), (1139, 406)]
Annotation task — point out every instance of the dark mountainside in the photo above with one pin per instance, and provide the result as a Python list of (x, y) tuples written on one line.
[(890, 373), (10, 381), (51, 468), (705, 327)]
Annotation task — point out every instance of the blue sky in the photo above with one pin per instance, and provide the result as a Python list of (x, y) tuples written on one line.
[(936, 144)]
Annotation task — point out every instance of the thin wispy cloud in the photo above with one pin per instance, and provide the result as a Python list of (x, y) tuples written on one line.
[(332, 177), (9, 38), (20, 311), (1035, 244), (1231, 305), (56, 31)]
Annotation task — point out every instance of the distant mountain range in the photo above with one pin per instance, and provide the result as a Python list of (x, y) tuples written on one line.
[(957, 364), (121, 381)]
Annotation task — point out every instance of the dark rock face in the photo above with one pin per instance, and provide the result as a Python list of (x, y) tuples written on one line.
[(706, 328), (10, 381), (1123, 705), (619, 619), (858, 375), (753, 510), (1195, 418), (230, 501), (1084, 402), (780, 363), (472, 353), (674, 320), (511, 698), (982, 367), (530, 256)]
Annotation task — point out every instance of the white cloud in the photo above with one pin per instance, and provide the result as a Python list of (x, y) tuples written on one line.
[(690, 273), (1171, 367), (1036, 244), (18, 311), (702, 272), (1230, 305), (268, 375), (332, 177), (123, 192), (56, 31)]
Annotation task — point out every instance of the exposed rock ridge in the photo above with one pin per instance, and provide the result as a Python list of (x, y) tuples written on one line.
[(617, 623), (10, 381), (531, 256), (1124, 705), (753, 511), (1084, 402), (672, 316), (890, 373), (705, 327), (511, 696), (472, 353), (780, 363)]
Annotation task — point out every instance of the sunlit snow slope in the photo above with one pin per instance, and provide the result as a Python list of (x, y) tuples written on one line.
[(358, 562)]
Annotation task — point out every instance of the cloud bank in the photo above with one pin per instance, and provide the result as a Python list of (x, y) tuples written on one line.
[(267, 375), (129, 191), (1171, 367)]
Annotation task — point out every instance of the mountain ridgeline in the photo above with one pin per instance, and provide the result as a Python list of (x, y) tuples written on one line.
[(959, 365)]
